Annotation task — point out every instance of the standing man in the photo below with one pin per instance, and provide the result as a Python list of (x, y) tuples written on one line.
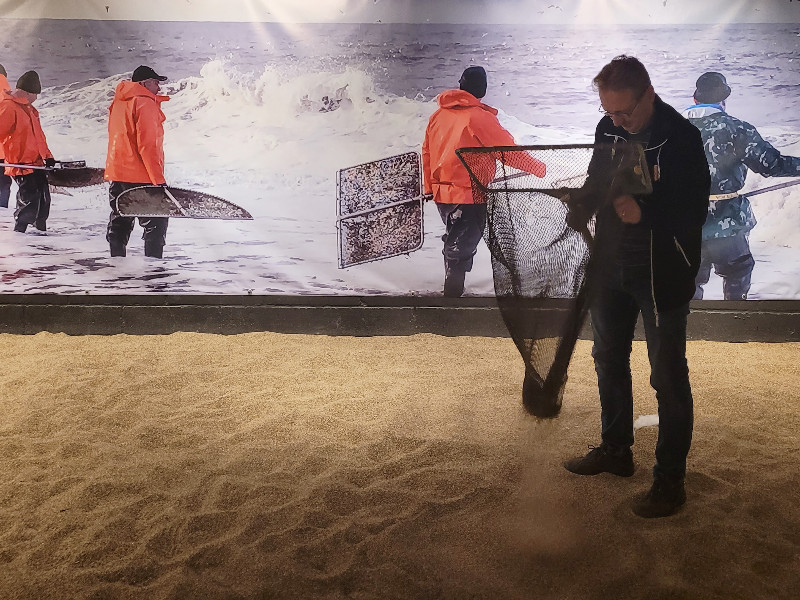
[(732, 146), (136, 156), (646, 256), (5, 180), (463, 121), (23, 142)]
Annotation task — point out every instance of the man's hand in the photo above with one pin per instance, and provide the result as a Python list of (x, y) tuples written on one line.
[(427, 197), (50, 162), (578, 215), (628, 210)]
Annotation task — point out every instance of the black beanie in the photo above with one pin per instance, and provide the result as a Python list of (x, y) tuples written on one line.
[(711, 88), (29, 82), (3, 71), (473, 80)]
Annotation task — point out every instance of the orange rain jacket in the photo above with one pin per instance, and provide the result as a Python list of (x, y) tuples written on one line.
[(4, 87), (463, 121), (21, 134), (135, 135)]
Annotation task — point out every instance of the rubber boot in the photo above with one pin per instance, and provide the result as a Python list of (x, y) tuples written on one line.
[(454, 284), (153, 250)]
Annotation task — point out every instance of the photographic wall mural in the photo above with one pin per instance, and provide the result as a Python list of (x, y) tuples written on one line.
[(271, 104)]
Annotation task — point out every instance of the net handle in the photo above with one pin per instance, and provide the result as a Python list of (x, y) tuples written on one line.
[(462, 152)]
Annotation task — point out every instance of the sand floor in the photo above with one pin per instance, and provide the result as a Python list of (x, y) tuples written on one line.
[(289, 466)]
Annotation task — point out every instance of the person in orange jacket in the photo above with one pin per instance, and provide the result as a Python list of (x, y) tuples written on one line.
[(24, 142), (136, 156), (463, 121), (5, 180)]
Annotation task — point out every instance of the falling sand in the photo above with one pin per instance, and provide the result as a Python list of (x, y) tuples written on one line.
[(290, 466)]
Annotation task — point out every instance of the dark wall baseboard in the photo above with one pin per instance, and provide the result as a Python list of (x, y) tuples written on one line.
[(763, 321)]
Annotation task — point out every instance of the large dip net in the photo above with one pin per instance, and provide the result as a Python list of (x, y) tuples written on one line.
[(542, 267)]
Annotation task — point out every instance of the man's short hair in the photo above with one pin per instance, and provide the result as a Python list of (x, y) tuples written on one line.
[(623, 73)]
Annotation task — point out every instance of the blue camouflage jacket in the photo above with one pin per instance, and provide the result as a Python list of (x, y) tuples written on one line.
[(732, 147)]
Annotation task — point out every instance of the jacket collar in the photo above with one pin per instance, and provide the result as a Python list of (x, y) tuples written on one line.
[(698, 111), (8, 95), (462, 99), (128, 90), (663, 114)]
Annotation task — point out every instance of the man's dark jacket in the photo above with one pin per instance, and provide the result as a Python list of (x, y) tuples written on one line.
[(674, 212)]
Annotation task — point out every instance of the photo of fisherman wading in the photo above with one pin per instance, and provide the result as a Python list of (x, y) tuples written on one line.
[(24, 143), (136, 156)]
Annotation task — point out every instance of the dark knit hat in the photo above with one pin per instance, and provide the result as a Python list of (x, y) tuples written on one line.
[(711, 88), (3, 71), (142, 73), (473, 80), (29, 82)]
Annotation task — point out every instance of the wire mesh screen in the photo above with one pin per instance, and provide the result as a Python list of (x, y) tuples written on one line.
[(379, 209), (540, 264)]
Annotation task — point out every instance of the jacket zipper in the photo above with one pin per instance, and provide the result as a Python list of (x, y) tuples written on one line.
[(653, 280), (652, 277), (680, 249)]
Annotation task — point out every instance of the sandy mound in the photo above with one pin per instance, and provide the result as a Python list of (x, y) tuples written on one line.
[(291, 466)]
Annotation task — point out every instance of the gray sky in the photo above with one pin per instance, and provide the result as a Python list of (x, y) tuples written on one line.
[(585, 12)]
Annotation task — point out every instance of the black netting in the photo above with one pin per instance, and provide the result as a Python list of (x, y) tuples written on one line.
[(540, 264)]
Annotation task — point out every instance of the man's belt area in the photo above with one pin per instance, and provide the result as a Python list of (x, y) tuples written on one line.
[(718, 197)]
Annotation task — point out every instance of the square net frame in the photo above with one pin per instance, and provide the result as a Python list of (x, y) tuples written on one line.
[(379, 209)]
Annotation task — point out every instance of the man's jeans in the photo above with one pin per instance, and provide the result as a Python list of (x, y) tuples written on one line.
[(621, 294)]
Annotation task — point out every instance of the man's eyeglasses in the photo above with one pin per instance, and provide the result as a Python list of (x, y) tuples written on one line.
[(621, 114)]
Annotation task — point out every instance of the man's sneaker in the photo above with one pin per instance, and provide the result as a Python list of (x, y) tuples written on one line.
[(603, 459), (665, 498)]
